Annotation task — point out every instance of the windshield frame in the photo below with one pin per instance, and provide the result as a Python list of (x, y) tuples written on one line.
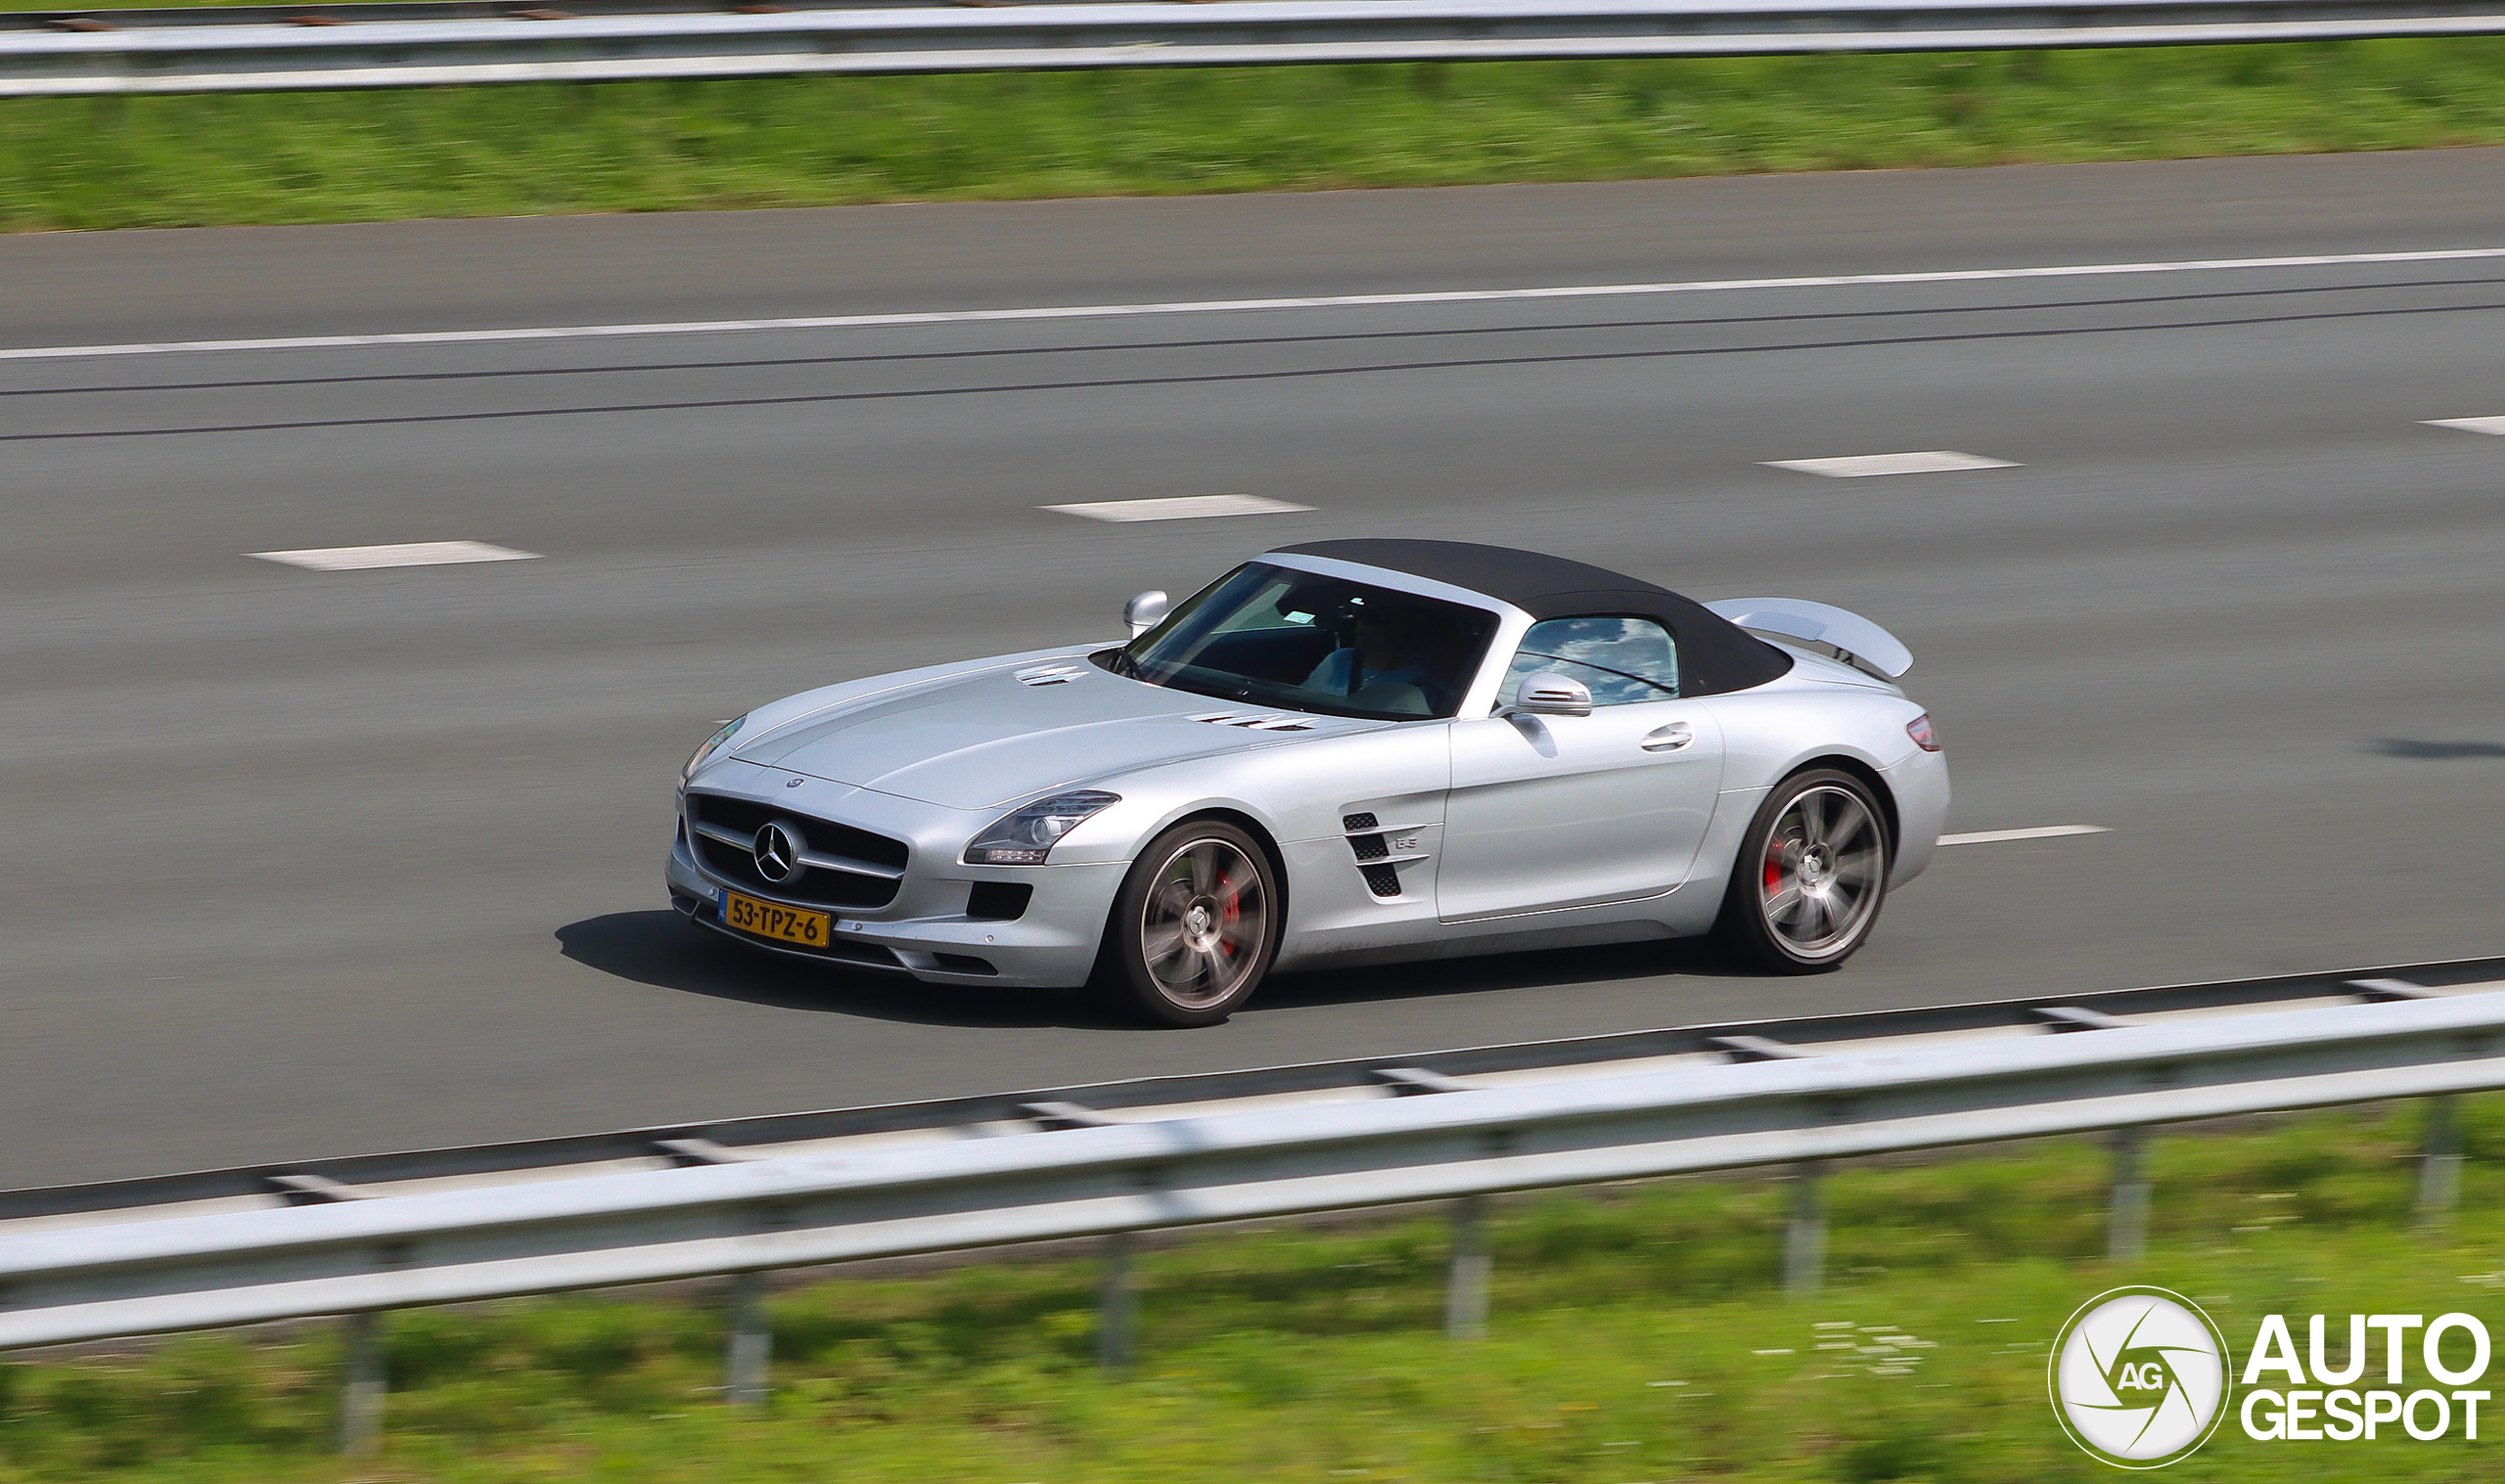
[(1470, 679)]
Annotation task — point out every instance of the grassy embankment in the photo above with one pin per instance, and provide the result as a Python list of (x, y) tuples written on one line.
[(774, 142), (1637, 1336)]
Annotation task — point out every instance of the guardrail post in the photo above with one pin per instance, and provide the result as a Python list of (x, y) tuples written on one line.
[(1465, 1289), (365, 1384), (752, 1348), (1804, 1239), (1117, 1317), (2127, 1219), (2440, 1167)]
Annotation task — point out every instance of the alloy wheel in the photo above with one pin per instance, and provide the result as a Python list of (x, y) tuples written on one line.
[(1824, 864), (1204, 925)]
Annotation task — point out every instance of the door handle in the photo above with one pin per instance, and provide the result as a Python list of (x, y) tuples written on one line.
[(1669, 739)]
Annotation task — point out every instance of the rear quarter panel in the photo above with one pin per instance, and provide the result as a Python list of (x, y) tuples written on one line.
[(1776, 729)]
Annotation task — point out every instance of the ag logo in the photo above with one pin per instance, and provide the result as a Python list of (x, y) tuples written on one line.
[(2139, 1377)]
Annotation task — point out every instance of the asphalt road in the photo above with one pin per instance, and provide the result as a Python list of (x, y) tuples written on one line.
[(308, 863)]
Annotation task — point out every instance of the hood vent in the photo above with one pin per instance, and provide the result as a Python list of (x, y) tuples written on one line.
[(1256, 721), (1059, 674)]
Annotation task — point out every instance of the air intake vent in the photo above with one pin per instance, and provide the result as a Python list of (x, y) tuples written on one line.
[(1051, 674), (1373, 852), (999, 901), (1256, 721)]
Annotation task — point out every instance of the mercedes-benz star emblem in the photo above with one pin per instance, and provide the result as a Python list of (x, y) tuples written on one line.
[(777, 852)]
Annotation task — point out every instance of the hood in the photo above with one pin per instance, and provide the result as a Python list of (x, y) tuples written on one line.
[(991, 738)]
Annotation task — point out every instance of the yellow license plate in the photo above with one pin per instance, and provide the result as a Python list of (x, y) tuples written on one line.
[(787, 924)]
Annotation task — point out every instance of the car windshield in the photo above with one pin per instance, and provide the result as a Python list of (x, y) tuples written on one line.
[(1274, 637)]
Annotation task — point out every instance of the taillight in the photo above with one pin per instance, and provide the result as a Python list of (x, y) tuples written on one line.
[(1925, 735)]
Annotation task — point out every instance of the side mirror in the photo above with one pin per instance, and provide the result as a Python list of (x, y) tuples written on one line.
[(1550, 693), (1146, 610)]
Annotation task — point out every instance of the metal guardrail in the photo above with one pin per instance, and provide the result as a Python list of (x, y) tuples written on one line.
[(362, 45), (745, 1197), (1080, 1173)]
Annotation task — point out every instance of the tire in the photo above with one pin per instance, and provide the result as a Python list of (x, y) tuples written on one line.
[(1810, 876), (1195, 928)]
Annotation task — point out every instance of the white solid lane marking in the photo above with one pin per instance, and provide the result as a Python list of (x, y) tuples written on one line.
[(2471, 425), (1224, 306), (2040, 832), (349, 559), (1936, 461), (1177, 507)]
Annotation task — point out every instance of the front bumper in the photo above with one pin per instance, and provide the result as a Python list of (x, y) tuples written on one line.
[(927, 931)]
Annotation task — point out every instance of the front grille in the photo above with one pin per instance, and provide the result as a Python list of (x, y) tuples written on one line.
[(816, 884), (748, 816)]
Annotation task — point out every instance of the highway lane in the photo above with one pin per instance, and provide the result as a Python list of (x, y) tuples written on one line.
[(81, 288), (316, 863)]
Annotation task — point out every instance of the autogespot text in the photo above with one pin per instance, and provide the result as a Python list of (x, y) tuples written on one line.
[(2317, 1402)]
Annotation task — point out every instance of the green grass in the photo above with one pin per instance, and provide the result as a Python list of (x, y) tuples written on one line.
[(69, 163), (1637, 1335)]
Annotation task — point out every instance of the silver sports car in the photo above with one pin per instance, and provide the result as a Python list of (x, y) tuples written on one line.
[(1341, 752)]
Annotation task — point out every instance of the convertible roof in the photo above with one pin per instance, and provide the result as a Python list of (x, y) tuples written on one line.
[(1716, 655)]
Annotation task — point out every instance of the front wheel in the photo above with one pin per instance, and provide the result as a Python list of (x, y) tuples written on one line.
[(1195, 928), (1811, 872)]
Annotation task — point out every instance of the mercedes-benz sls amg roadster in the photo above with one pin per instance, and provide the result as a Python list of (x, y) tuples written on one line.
[(1337, 754)]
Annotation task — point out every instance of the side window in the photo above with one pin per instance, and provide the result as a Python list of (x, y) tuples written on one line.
[(1621, 661)]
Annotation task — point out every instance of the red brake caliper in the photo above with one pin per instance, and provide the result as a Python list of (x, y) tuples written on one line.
[(1233, 912), (1774, 863)]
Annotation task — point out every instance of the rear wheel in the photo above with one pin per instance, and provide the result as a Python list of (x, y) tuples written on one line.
[(1195, 928), (1812, 873)]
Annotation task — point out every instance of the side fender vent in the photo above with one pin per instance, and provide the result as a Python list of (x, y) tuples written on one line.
[(1381, 849)]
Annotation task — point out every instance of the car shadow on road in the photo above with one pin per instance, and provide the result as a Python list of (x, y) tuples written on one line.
[(2424, 750), (659, 948)]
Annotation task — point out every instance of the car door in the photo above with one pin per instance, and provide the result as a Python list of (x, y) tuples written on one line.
[(1562, 811)]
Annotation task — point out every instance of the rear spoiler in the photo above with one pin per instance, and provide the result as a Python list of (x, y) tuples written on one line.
[(1857, 638)]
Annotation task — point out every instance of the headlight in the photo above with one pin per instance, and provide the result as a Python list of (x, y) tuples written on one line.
[(1027, 835), (697, 759)]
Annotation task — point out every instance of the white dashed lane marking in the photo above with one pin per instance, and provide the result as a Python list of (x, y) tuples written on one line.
[(1936, 461), (1224, 306), (1177, 507), (2471, 425), (349, 559), (2040, 832)]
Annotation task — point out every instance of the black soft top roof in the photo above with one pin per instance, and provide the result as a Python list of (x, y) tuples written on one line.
[(1716, 655)]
